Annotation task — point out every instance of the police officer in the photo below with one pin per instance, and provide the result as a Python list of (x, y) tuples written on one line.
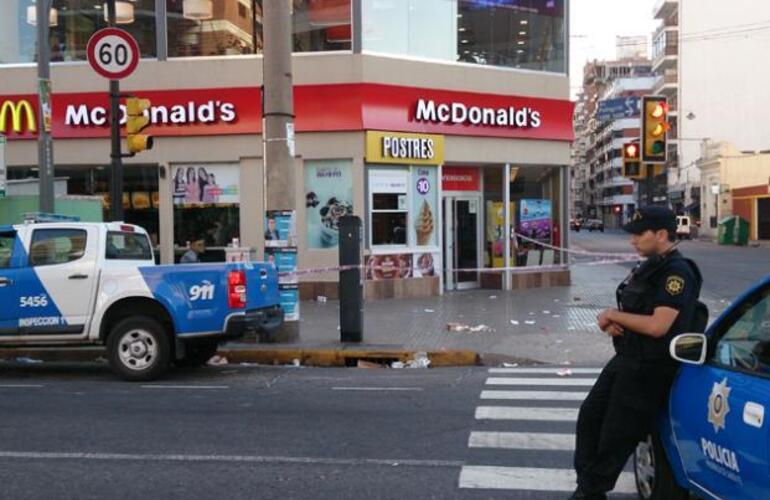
[(655, 303)]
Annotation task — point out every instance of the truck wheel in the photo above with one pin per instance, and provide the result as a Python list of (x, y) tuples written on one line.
[(138, 349), (196, 354), (654, 479)]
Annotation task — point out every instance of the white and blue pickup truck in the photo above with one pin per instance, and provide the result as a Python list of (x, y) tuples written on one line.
[(67, 284)]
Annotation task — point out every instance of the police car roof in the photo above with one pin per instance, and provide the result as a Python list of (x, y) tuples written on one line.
[(110, 226)]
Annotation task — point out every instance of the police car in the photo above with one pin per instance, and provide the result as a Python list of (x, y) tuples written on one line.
[(72, 284), (713, 441)]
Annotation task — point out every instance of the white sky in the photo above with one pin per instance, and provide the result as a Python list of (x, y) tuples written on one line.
[(594, 24)]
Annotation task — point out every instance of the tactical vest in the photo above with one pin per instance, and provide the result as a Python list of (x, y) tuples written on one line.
[(636, 296)]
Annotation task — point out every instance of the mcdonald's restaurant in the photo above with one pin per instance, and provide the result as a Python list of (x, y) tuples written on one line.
[(444, 163)]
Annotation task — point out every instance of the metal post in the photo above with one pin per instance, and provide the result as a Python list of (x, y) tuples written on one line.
[(508, 232), (351, 287), (44, 141), (278, 117), (116, 170), (649, 184)]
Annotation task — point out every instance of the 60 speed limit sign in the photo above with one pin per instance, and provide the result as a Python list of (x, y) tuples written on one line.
[(113, 53)]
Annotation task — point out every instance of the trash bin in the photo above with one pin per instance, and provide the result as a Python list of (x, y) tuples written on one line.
[(726, 235), (741, 231)]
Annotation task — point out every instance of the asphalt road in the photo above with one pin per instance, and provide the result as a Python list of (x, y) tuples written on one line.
[(727, 270), (286, 433)]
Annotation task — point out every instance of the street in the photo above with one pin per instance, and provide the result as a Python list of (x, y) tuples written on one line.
[(258, 432)]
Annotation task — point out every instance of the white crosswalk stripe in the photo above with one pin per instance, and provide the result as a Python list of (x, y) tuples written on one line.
[(543, 398)]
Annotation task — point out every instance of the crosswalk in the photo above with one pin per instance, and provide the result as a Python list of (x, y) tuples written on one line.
[(523, 438)]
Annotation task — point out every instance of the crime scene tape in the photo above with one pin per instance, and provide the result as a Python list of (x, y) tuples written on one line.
[(578, 252)]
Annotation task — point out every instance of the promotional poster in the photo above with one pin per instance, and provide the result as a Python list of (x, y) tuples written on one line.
[(205, 184), (424, 206), (328, 197), (280, 228), (535, 219)]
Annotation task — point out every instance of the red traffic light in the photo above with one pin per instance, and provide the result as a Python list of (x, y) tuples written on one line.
[(616, 209), (660, 110), (631, 151)]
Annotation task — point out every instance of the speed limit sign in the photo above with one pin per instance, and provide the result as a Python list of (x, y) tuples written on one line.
[(113, 53)]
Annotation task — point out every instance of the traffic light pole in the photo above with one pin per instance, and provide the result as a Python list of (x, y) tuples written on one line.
[(44, 141), (116, 170), (649, 185)]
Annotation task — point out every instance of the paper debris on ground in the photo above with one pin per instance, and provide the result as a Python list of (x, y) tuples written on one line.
[(557, 315), (530, 322), (295, 362), (367, 364), (429, 310), (564, 372), (546, 312), (217, 360), (493, 296), (25, 359), (514, 322), (420, 360), (461, 327), (510, 365), (397, 365), (321, 299)]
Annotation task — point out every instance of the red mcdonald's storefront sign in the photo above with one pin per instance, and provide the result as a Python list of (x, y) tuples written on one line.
[(460, 179), (319, 108)]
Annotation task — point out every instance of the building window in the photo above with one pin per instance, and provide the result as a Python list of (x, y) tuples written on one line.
[(388, 190), (72, 24), (206, 207), (322, 25)]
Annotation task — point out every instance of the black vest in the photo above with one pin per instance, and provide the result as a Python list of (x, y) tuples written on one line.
[(636, 295)]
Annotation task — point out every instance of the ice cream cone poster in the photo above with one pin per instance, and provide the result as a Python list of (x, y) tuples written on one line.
[(328, 197), (424, 202)]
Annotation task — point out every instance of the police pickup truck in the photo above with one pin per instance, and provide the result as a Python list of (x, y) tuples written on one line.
[(68, 284), (713, 440)]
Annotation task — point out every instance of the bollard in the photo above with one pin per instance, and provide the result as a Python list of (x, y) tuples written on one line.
[(351, 287)]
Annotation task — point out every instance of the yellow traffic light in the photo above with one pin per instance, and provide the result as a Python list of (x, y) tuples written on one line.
[(632, 165), (654, 128), (137, 122)]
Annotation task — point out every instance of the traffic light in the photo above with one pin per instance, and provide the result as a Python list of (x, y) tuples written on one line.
[(654, 129), (632, 164), (137, 122)]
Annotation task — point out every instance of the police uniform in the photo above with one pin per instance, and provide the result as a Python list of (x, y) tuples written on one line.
[(620, 409)]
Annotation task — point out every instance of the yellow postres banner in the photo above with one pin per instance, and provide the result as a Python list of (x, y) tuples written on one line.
[(408, 149)]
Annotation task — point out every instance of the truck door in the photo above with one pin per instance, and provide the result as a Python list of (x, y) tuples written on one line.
[(56, 287), (718, 409), (8, 291)]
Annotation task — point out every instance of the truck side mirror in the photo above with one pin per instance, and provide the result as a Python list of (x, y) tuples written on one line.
[(689, 348)]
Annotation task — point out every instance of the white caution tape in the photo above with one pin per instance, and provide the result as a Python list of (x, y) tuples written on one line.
[(579, 252)]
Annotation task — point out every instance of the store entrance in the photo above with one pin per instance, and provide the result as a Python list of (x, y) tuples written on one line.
[(462, 241)]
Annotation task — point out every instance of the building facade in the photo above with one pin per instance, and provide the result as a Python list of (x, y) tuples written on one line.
[(444, 124)]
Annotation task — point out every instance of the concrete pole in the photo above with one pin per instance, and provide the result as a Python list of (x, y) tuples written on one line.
[(278, 120), (44, 142)]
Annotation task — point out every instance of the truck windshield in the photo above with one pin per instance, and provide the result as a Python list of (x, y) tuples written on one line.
[(127, 246)]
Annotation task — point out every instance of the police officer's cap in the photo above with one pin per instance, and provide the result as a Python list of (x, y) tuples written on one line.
[(651, 219)]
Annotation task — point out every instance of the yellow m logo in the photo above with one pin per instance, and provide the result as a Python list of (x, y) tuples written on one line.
[(19, 110)]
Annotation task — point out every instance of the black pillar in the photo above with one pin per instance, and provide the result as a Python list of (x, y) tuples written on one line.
[(351, 287)]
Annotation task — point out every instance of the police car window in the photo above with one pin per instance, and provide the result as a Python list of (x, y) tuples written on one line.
[(745, 345), (127, 246), (56, 246), (6, 249)]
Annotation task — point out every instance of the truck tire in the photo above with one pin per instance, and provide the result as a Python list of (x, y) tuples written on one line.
[(197, 353), (138, 349), (654, 479)]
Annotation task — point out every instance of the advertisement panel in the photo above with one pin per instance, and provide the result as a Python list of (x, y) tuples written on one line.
[(424, 206), (535, 219), (205, 184), (328, 197)]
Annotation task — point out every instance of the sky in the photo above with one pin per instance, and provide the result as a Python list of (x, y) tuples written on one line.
[(594, 24)]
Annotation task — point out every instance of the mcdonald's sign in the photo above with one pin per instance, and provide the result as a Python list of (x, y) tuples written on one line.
[(17, 114)]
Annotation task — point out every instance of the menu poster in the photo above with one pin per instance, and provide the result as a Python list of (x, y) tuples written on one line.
[(388, 267), (280, 228), (426, 265), (328, 197), (424, 206), (535, 219)]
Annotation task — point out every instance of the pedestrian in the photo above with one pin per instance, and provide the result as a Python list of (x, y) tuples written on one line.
[(192, 255), (656, 302)]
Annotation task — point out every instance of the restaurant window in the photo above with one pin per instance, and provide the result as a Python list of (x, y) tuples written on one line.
[(206, 207), (388, 190), (72, 24)]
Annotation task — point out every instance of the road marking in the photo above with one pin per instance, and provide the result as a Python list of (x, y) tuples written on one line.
[(522, 441), (377, 388), (518, 413), (541, 381), (228, 458), (548, 371), (191, 387), (534, 479), (535, 395), (20, 386)]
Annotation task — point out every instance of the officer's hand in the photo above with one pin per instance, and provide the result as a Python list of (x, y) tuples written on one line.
[(603, 320), (614, 330)]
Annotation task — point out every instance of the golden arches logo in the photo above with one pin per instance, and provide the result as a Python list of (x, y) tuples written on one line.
[(18, 111)]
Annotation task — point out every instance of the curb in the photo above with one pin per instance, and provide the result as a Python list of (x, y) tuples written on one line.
[(321, 357)]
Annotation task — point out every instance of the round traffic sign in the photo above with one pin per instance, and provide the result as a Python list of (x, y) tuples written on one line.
[(113, 53)]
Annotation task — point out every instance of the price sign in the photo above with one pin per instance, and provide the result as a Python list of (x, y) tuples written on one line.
[(113, 53)]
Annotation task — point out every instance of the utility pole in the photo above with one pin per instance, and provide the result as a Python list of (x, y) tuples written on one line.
[(278, 117), (44, 142), (116, 164)]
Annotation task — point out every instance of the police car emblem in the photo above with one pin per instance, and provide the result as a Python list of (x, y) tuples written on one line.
[(675, 285), (718, 405)]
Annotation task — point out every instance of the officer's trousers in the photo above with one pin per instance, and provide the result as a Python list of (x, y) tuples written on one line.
[(617, 414)]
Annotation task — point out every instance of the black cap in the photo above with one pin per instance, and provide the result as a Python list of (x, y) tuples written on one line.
[(651, 219)]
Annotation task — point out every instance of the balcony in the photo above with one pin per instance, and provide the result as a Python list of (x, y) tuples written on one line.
[(665, 48), (667, 84), (663, 9)]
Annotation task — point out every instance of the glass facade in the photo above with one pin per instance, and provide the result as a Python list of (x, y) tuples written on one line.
[(526, 34), (72, 24)]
